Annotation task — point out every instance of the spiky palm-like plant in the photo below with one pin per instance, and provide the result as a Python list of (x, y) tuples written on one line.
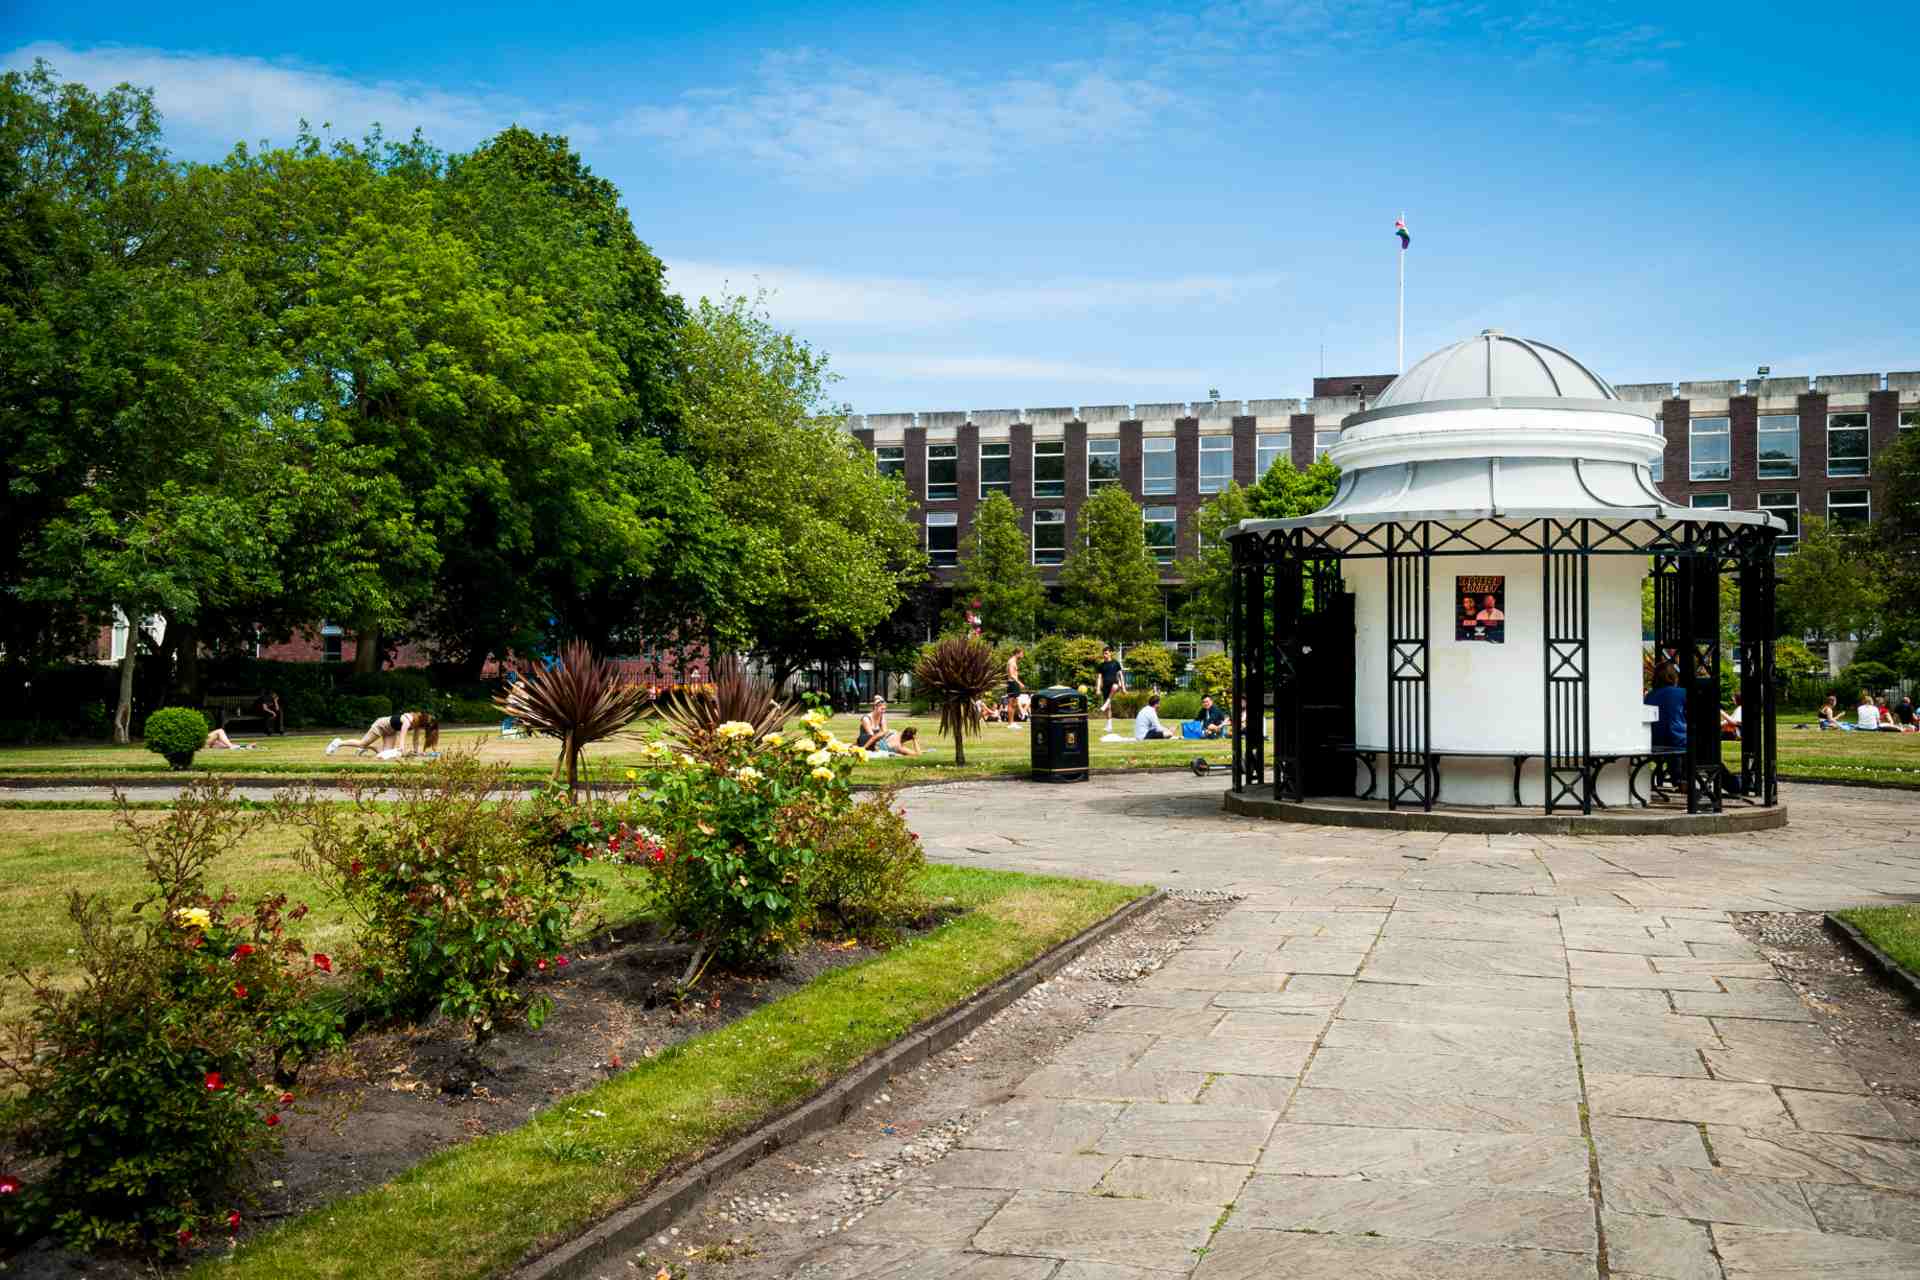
[(956, 674), (581, 701), (697, 714)]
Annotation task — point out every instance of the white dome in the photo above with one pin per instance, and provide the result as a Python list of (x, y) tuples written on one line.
[(1491, 366)]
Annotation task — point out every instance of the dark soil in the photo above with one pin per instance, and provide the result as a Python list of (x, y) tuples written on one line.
[(399, 1096), (1873, 1022)]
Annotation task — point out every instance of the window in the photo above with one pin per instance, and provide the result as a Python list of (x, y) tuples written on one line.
[(1161, 537), (1786, 507), (1049, 468), (996, 468), (331, 635), (1269, 449), (1323, 441), (943, 472), (1103, 463), (943, 537), (1849, 507), (1156, 466), (1779, 441), (1657, 469), (1710, 502), (890, 460), (1847, 444), (1049, 535), (1710, 451), (1216, 463), (1909, 419)]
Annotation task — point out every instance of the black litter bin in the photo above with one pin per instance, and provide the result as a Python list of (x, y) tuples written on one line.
[(1058, 722)]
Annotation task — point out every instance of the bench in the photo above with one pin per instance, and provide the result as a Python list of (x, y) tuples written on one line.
[(230, 709), (1635, 761)]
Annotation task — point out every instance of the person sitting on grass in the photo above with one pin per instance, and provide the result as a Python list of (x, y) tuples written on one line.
[(873, 725), (1146, 725), (1730, 721), (1213, 719), (409, 732), (219, 741), (904, 742), (1866, 716), (1903, 712), (1830, 713)]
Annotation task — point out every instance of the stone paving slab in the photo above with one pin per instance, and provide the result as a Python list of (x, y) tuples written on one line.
[(1420, 1056)]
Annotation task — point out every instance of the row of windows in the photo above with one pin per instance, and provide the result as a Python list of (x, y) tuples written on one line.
[(1777, 446), (1157, 471), (1049, 535), (1844, 507)]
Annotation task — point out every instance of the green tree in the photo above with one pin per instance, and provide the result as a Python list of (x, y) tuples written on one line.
[(1829, 586), (824, 549), (1207, 573), (1893, 539), (996, 569), (1287, 492), (1110, 584)]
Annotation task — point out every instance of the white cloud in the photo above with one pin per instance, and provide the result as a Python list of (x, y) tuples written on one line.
[(810, 117), (210, 101), (799, 297)]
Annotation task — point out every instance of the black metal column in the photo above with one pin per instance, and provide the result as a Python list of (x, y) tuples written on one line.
[(1236, 650), (1288, 776), (1758, 691), (1409, 694), (1253, 602), (1699, 595), (1565, 600)]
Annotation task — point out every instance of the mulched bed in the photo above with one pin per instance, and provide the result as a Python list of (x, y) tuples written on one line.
[(1872, 1021), (399, 1096)]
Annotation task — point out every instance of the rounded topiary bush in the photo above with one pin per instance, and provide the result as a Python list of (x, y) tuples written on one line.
[(176, 733)]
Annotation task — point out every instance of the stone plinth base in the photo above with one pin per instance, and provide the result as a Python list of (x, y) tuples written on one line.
[(1660, 820)]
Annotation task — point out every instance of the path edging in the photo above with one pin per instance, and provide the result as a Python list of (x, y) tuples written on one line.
[(631, 1227), (1891, 969)]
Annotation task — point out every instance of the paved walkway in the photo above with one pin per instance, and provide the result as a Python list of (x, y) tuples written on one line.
[(1427, 1056)]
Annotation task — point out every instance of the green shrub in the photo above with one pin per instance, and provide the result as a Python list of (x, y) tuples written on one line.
[(361, 710), (1127, 705), (399, 690), (176, 733), (866, 871), (739, 826), (469, 711), (455, 899), (149, 1087), (1875, 677), (1213, 675), (1072, 661), (1152, 665), (1183, 705)]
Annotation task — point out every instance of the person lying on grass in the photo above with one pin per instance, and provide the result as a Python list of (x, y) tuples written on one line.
[(219, 741), (419, 731), (902, 742)]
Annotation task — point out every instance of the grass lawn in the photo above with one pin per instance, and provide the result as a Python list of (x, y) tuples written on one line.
[(1892, 758), (45, 853), (475, 1210), (1895, 930), (998, 750)]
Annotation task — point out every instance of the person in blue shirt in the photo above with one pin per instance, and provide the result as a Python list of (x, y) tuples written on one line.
[(1670, 730)]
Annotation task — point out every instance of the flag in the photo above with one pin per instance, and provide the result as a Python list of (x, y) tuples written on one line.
[(1400, 229)]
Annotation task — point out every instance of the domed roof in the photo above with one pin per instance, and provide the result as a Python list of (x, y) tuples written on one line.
[(1493, 365)]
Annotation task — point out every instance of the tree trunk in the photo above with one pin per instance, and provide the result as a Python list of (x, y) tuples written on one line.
[(960, 741), (123, 711), (366, 649)]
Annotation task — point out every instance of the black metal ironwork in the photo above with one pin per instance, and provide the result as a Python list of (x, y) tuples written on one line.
[(1272, 610), (1410, 766)]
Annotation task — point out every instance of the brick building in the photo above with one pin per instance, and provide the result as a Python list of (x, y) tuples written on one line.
[(1791, 446)]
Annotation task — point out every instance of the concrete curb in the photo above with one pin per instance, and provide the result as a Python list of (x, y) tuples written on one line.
[(1807, 780), (1596, 824), (1892, 970), (631, 1227)]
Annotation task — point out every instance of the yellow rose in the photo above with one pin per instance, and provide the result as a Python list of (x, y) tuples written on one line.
[(773, 739), (861, 753), (633, 775), (820, 757), (815, 716), (748, 774), (736, 729), (194, 917), (823, 773)]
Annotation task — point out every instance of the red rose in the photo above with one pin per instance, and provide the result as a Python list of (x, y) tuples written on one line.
[(9, 1185), (322, 963), (240, 990), (214, 1083), (242, 951), (186, 1236), (561, 961), (540, 965), (286, 1099), (273, 1118), (353, 868), (233, 1220)]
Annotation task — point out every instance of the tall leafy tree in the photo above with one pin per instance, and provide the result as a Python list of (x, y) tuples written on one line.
[(996, 569), (1830, 585), (824, 550), (1110, 584), (1893, 540), (1285, 492)]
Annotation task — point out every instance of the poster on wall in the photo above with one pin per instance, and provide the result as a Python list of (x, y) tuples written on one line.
[(1482, 612)]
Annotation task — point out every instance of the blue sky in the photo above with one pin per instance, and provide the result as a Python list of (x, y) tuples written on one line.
[(1016, 205)]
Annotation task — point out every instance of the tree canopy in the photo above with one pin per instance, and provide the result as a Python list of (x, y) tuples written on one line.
[(996, 570), (1110, 583)]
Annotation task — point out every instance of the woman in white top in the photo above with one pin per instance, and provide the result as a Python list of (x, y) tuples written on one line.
[(418, 729), (1866, 715)]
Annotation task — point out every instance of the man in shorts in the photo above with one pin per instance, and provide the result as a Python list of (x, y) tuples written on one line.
[(1013, 688), (1112, 680)]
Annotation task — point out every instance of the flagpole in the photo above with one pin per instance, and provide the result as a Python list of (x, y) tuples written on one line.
[(1401, 328)]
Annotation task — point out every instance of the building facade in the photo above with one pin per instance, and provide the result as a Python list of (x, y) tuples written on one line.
[(1791, 446)]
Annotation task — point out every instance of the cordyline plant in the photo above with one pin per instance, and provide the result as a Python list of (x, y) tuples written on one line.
[(582, 700), (956, 674), (735, 697)]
